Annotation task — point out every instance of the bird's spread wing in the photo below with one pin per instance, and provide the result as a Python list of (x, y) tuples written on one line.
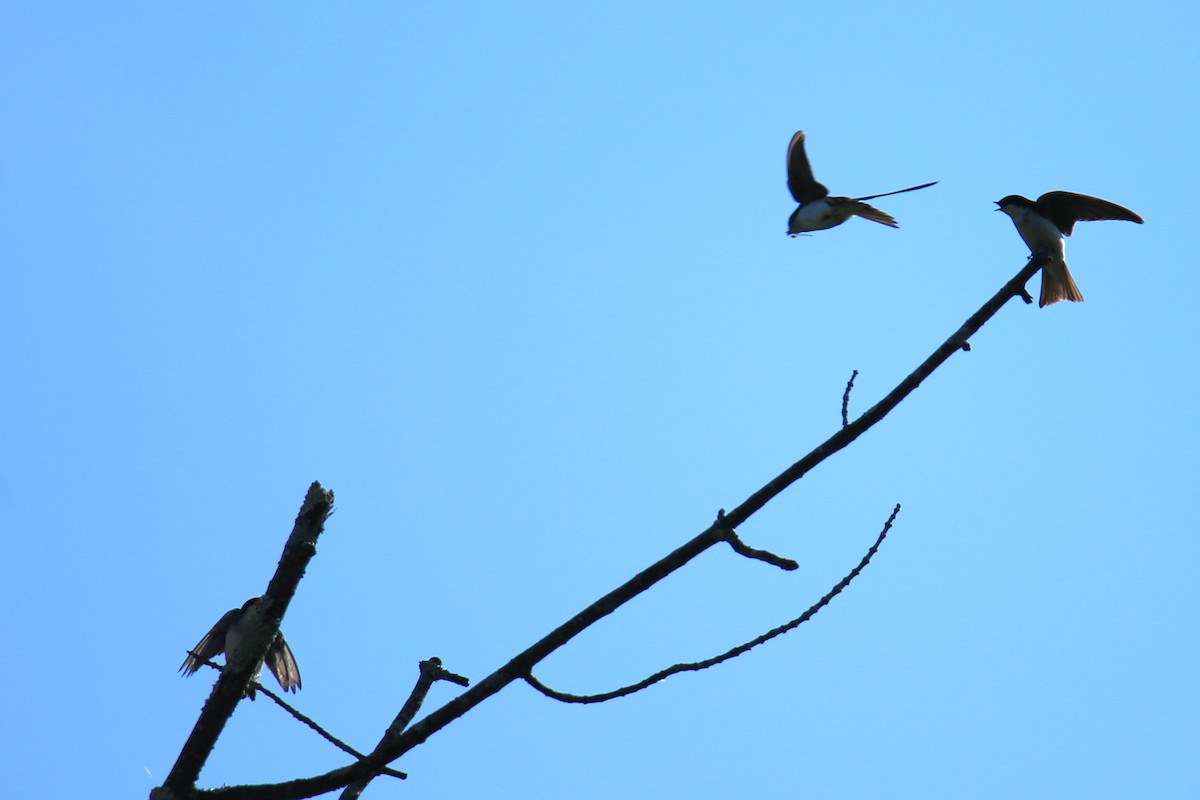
[(211, 646), (800, 178), (898, 191), (283, 665), (1067, 208)]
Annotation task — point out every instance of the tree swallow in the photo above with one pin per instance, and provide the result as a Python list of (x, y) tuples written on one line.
[(817, 210), (1044, 222), (225, 637)]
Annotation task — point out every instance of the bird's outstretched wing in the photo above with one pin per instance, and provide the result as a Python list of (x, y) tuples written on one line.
[(1067, 208), (211, 645), (282, 664), (801, 183)]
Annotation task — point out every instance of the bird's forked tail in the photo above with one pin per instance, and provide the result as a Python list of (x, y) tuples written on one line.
[(1057, 284)]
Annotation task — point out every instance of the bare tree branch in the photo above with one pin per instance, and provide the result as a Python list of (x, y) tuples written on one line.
[(735, 652), (519, 666), (431, 671), (231, 686), (848, 434)]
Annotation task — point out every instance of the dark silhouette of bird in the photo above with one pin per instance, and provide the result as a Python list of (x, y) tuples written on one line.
[(228, 633), (818, 210), (1044, 222)]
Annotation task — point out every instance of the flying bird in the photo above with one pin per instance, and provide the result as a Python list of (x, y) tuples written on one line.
[(1044, 222), (817, 210), (225, 637)]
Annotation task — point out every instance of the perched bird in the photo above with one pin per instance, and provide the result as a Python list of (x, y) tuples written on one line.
[(1044, 222), (225, 637), (817, 210)]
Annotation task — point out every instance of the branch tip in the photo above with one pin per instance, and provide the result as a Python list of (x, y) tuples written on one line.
[(436, 672), (429, 672), (846, 399), (743, 549)]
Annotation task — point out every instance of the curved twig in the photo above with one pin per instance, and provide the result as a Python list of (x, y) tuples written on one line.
[(732, 653)]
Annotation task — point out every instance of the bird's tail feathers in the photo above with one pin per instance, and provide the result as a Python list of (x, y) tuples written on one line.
[(872, 213), (1057, 284)]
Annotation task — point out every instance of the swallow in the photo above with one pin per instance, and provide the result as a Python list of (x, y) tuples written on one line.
[(817, 210), (1044, 222), (225, 637)]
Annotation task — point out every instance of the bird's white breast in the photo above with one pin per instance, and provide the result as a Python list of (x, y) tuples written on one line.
[(234, 638), (1039, 233), (815, 215)]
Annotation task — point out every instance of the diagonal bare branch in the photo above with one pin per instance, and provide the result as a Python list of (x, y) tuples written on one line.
[(230, 687), (520, 665)]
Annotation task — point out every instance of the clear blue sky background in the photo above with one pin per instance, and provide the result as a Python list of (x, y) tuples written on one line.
[(512, 280)]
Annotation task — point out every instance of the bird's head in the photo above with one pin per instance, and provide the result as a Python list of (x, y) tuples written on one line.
[(1011, 203)]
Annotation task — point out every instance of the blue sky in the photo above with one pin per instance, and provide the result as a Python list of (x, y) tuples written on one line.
[(512, 281)]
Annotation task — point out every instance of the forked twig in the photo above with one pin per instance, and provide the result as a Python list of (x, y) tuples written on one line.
[(733, 653)]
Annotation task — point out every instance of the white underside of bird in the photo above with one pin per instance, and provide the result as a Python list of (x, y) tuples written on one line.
[(1043, 237), (233, 647), (828, 212)]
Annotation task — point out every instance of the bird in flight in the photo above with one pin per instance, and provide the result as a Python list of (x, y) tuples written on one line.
[(225, 637), (817, 210), (1044, 222)]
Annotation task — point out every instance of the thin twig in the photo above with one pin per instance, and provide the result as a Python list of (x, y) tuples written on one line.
[(743, 549), (394, 773), (846, 399), (735, 652), (299, 715)]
